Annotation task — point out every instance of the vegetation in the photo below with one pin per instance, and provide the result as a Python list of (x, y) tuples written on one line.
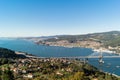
[(6, 74), (51, 69), (5, 61), (7, 53), (100, 37), (114, 42), (86, 36)]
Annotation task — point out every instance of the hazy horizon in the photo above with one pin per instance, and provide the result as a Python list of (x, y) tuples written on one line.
[(34, 18), (53, 35)]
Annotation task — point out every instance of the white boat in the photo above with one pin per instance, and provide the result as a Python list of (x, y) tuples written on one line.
[(101, 61), (117, 66)]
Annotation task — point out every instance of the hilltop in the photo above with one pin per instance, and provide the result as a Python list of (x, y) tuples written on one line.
[(99, 37)]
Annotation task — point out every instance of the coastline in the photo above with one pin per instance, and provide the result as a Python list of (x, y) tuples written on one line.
[(101, 49), (27, 54), (95, 48), (112, 74)]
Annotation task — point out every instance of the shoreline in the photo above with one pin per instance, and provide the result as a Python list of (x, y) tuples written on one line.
[(112, 74), (27, 55), (101, 49)]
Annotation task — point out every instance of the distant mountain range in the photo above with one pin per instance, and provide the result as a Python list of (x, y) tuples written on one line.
[(111, 38)]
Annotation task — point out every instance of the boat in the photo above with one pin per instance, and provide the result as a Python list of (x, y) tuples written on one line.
[(101, 61), (117, 66)]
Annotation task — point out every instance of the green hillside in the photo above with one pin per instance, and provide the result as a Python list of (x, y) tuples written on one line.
[(111, 38), (114, 42), (7, 53)]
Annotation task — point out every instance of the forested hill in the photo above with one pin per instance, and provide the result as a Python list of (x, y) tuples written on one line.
[(111, 38), (104, 36), (7, 53)]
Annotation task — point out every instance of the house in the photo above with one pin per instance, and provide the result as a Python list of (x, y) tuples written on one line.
[(29, 75), (58, 73)]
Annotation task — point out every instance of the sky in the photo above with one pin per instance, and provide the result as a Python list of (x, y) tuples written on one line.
[(25, 18)]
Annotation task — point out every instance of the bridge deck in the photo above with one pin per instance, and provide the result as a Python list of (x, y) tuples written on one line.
[(92, 57), (82, 57)]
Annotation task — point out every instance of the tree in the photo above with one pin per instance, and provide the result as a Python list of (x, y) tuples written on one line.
[(7, 75)]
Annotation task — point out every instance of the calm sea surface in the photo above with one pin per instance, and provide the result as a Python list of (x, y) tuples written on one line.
[(111, 65)]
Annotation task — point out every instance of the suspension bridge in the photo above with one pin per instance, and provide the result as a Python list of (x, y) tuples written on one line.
[(78, 57)]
